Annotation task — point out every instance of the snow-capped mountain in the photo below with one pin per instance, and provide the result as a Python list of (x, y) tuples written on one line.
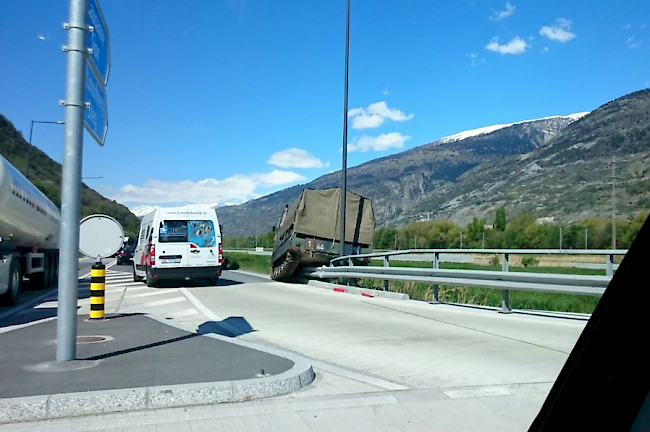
[(489, 129)]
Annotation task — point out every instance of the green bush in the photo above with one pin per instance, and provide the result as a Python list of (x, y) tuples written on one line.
[(529, 261)]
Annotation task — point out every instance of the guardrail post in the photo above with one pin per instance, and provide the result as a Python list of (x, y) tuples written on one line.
[(434, 289), (610, 265), (505, 294), (386, 264), (351, 281)]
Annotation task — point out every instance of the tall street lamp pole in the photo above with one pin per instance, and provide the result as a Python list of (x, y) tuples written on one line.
[(29, 146), (344, 166)]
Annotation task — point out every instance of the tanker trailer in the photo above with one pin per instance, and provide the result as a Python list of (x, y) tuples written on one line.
[(29, 234)]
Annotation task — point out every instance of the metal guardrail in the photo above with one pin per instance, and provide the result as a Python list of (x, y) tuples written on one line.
[(504, 280)]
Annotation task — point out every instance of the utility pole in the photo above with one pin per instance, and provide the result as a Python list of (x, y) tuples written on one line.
[(483, 239), (586, 233), (395, 241), (613, 202), (461, 239), (560, 238), (344, 164)]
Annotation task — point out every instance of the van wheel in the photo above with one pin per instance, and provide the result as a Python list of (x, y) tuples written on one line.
[(14, 283), (150, 280), (136, 278)]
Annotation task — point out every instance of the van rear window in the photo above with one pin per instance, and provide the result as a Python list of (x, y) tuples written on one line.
[(173, 231), (199, 232)]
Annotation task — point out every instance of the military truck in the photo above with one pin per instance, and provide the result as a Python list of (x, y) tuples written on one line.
[(308, 231)]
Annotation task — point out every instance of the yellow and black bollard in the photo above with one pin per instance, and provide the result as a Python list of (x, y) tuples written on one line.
[(97, 290)]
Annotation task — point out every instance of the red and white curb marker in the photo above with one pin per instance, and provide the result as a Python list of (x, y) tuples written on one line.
[(337, 289), (365, 294)]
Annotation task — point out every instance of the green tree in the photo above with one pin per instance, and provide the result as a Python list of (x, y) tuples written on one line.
[(473, 235), (500, 219)]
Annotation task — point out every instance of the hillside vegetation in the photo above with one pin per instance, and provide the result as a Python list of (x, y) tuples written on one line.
[(45, 173), (556, 167)]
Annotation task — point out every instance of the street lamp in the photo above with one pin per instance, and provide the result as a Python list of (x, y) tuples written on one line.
[(29, 146), (344, 166)]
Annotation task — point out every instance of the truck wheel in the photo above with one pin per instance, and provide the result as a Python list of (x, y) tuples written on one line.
[(285, 269), (15, 283), (136, 278)]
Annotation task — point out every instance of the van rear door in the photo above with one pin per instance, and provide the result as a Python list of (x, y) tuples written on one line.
[(203, 243), (173, 247)]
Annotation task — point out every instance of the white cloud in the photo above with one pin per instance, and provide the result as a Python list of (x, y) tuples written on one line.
[(474, 59), (41, 37), (375, 115), (544, 50), (559, 32), (295, 158), (499, 15), (235, 189), (385, 92), (379, 143), (516, 46), (627, 26), (632, 42)]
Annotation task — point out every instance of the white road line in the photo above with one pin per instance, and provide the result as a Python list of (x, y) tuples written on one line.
[(183, 314), (131, 284), (155, 303), (204, 310), (149, 294)]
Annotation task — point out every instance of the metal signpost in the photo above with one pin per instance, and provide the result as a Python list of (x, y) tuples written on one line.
[(85, 27)]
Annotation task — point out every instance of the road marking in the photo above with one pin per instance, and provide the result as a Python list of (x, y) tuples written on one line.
[(151, 294), (158, 303), (378, 382), (183, 314), (204, 310), (457, 394), (130, 284)]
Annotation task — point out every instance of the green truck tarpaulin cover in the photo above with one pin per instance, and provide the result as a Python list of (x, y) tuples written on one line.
[(316, 213)]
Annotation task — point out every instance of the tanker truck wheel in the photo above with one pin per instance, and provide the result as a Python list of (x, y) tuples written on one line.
[(15, 283), (284, 269)]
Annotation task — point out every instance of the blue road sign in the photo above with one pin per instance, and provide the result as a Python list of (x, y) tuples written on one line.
[(95, 117), (99, 41)]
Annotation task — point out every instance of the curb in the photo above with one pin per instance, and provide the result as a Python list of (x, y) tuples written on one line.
[(46, 407), (366, 292)]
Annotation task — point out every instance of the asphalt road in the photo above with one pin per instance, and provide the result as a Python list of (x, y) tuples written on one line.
[(380, 364)]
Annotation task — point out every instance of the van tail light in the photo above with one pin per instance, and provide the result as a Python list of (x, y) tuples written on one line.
[(152, 256), (193, 246), (221, 260)]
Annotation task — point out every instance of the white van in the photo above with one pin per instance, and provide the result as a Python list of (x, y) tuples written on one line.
[(178, 243)]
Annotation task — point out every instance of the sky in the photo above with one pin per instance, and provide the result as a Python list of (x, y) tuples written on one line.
[(223, 101)]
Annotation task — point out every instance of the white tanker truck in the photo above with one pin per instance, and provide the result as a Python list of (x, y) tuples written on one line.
[(29, 234)]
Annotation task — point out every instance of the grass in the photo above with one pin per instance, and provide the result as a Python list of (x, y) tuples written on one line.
[(455, 294), (248, 262)]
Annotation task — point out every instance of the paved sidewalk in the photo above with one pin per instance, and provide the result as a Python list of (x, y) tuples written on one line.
[(131, 362)]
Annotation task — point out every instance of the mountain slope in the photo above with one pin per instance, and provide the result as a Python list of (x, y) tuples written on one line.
[(397, 183), (46, 175), (569, 178)]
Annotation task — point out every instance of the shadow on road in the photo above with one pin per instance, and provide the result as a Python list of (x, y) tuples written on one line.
[(230, 327)]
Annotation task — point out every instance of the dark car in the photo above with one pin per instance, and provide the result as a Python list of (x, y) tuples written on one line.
[(125, 255)]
